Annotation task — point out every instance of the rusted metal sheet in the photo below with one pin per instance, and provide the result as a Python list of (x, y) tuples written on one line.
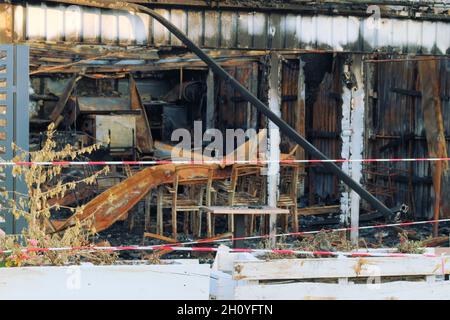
[(323, 126), (143, 134), (396, 129), (290, 101), (233, 111), (434, 131), (232, 28), (55, 116)]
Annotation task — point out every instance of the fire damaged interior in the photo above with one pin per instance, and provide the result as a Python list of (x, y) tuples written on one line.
[(121, 80)]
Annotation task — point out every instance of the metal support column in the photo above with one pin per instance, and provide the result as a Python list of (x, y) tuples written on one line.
[(14, 126)]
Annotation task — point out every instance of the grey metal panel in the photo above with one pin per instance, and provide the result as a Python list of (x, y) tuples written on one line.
[(231, 29), (211, 25), (195, 26), (276, 31), (245, 29), (160, 33), (21, 116), (16, 127), (179, 18), (6, 99), (227, 29), (260, 25)]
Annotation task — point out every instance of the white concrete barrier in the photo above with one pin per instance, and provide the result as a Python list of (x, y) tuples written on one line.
[(175, 282)]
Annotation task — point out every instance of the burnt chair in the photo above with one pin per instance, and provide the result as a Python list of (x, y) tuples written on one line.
[(185, 196), (289, 177), (245, 187)]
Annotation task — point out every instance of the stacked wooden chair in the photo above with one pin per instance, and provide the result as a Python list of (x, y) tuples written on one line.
[(289, 177), (186, 196), (245, 187)]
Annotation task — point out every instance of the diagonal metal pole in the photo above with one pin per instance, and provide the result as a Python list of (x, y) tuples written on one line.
[(247, 95)]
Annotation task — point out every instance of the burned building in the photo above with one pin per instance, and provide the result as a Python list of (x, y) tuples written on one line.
[(357, 81)]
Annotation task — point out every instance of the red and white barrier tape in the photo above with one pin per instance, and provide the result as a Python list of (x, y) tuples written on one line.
[(211, 249), (178, 246), (219, 162)]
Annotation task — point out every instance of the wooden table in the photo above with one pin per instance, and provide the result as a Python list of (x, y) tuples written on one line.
[(239, 219)]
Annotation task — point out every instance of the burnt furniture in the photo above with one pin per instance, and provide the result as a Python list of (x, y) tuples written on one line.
[(240, 212)]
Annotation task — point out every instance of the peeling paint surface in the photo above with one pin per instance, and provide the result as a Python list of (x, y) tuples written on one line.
[(231, 29)]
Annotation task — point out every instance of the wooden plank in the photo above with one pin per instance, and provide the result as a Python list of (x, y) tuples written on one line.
[(143, 133), (309, 211), (55, 116), (159, 237), (339, 268), (325, 291), (225, 260), (216, 237)]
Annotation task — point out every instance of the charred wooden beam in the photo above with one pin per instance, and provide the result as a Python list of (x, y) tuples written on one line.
[(55, 116), (143, 132)]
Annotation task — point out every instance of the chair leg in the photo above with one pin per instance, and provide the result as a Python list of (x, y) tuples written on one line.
[(230, 218), (262, 225), (193, 224), (285, 219), (159, 222), (159, 212), (130, 222), (250, 224), (295, 222), (209, 227), (186, 222), (174, 219), (147, 212), (230, 223), (199, 223)]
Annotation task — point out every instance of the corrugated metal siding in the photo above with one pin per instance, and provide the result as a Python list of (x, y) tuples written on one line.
[(396, 115), (230, 29), (233, 111), (289, 99), (323, 127)]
